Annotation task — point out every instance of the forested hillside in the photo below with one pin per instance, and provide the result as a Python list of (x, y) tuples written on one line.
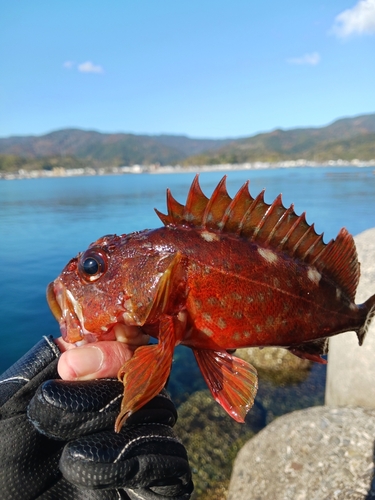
[(346, 139)]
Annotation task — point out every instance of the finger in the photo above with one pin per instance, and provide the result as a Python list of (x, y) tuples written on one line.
[(64, 346), (96, 360)]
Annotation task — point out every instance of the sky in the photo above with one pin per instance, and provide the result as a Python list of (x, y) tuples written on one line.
[(201, 68)]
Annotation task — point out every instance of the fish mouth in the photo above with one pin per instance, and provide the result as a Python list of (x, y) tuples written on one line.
[(67, 312)]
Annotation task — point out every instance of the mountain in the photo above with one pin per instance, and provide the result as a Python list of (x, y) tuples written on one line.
[(118, 149), (346, 139)]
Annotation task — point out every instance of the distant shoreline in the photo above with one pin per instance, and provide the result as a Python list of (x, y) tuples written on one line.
[(157, 169)]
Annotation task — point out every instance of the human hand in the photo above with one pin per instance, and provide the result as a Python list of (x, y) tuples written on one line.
[(67, 447), (99, 359)]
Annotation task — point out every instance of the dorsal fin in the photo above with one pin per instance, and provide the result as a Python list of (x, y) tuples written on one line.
[(271, 226)]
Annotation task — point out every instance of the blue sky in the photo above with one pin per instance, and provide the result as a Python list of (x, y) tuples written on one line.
[(202, 68)]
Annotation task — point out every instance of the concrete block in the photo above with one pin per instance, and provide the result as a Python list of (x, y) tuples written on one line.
[(351, 368)]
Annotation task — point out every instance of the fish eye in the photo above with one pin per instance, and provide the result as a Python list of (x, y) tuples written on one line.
[(92, 264)]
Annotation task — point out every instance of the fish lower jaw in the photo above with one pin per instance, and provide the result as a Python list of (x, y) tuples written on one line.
[(73, 332), (70, 334), (78, 336)]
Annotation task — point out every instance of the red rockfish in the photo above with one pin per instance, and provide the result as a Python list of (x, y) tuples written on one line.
[(221, 274)]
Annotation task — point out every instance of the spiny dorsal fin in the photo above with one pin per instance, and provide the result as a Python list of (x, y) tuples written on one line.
[(272, 226)]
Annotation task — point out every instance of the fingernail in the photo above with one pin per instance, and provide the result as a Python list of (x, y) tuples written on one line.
[(85, 361)]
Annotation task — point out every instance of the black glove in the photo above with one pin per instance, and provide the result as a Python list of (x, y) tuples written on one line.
[(65, 446)]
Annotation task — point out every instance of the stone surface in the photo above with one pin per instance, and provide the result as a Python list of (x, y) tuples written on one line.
[(320, 453), (351, 368), (276, 365)]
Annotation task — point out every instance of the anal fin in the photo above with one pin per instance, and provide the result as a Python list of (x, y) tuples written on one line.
[(232, 381), (312, 350), (146, 373)]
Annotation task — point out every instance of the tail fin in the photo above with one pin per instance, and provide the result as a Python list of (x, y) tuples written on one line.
[(369, 307)]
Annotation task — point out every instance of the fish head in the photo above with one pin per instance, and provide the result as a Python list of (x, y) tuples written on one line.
[(89, 298), (115, 284)]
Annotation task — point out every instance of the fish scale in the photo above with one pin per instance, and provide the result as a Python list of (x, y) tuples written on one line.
[(222, 273)]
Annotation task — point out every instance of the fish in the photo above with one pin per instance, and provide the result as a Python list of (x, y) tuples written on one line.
[(220, 274)]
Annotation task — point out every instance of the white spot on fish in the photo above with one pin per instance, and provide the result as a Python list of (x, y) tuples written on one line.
[(268, 255), (207, 317), (194, 267), (212, 301), (269, 321), (276, 282), (221, 323), (207, 236), (128, 304), (314, 275), (338, 294), (285, 306), (208, 332), (236, 296), (237, 314), (198, 304)]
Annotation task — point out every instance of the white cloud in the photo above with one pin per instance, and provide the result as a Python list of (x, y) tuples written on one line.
[(311, 59), (89, 67), (359, 20)]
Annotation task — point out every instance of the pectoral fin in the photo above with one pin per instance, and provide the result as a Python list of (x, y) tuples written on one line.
[(146, 373), (172, 290), (232, 381)]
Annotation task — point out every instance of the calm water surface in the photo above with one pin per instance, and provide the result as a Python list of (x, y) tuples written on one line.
[(45, 222)]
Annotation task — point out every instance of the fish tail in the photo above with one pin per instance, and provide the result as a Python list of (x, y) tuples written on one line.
[(369, 307)]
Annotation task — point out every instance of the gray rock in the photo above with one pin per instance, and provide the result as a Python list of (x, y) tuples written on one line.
[(319, 453), (351, 368)]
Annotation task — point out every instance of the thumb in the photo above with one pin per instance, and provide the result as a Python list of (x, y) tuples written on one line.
[(96, 360)]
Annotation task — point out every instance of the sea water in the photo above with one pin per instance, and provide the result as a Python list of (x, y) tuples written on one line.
[(45, 222)]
